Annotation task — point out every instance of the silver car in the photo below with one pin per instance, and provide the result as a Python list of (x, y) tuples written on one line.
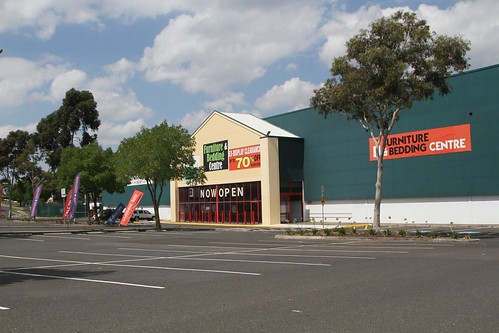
[(142, 214)]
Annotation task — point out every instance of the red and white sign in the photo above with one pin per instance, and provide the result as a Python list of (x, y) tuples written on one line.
[(244, 157), (132, 204), (65, 213), (435, 141)]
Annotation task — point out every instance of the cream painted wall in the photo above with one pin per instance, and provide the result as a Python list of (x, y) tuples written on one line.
[(220, 128), (270, 181)]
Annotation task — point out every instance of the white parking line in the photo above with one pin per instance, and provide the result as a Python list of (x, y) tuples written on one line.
[(301, 256), (110, 236), (343, 251), (63, 237), (4, 308), (252, 261), (84, 280), (117, 264)]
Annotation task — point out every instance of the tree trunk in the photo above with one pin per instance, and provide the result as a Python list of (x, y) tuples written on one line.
[(377, 196), (155, 201), (156, 217)]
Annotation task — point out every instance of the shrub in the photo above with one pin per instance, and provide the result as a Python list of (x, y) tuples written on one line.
[(327, 232), (433, 234), (418, 233), (453, 235), (354, 231), (387, 232), (290, 232), (402, 233), (342, 231), (372, 232), (314, 231)]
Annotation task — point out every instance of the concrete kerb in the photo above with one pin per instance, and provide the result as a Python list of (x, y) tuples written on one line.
[(23, 227)]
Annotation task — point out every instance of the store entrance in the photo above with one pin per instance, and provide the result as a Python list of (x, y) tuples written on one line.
[(292, 202), (238, 203)]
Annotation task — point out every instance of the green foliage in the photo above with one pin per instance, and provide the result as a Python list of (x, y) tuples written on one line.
[(314, 231), (433, 234), (341, 231), (12, 162), (97, 167), (78, 114), (372, 232), (354, 231), (290, 232), (158, 155), (402, 232), (453, 235), (328, 231), (418, 233), (387, 232), (302, 232), (387, 67)]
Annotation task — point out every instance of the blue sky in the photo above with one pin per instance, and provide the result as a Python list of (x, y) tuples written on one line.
[(178, 60)]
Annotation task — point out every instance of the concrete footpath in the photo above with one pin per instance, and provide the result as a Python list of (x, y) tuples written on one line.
[(22, 227)]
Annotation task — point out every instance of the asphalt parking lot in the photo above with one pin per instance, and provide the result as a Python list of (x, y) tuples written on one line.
[(244, 280)]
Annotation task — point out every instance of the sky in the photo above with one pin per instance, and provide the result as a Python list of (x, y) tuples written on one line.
[(179, 60)]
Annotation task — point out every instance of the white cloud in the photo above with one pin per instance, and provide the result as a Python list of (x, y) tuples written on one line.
[(294, 94), (343, 25), (114, 101), (111, 133), (5, 130), (473, 20), (220, 47), (226, 103), (43, 17), (23, 80), (71, 79), (192, 120)]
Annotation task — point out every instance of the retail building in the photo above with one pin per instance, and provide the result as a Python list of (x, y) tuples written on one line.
[(441, 164)]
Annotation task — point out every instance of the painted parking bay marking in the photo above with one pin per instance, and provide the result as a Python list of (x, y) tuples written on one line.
[(83, 280)]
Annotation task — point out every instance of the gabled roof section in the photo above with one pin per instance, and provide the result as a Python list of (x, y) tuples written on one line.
[(253, 123)]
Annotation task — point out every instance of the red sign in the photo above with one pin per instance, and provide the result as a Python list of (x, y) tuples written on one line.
[(67, 205), (244, 157), (443, 140), (132, 204)]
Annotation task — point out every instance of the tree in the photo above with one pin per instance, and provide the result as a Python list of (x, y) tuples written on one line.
[(98, 171), (28, 165), (158, 155), (385, 69), (11, 148), (78, 114)]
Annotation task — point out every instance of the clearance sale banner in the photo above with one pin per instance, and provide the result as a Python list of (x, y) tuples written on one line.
[(34, 203), (244, 158), (132, 204), (65, 214), (73, 202), (435, 141)]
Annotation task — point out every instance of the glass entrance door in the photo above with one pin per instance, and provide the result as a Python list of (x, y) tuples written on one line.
[(238, 203)]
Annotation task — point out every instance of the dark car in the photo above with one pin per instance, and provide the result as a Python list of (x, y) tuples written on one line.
[(105, 214)]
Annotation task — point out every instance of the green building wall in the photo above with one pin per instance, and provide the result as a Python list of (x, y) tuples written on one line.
[(336, 150), (113, 200)]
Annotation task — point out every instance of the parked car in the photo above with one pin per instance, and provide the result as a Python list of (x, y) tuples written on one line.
[(105, 214), (142, 214)]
